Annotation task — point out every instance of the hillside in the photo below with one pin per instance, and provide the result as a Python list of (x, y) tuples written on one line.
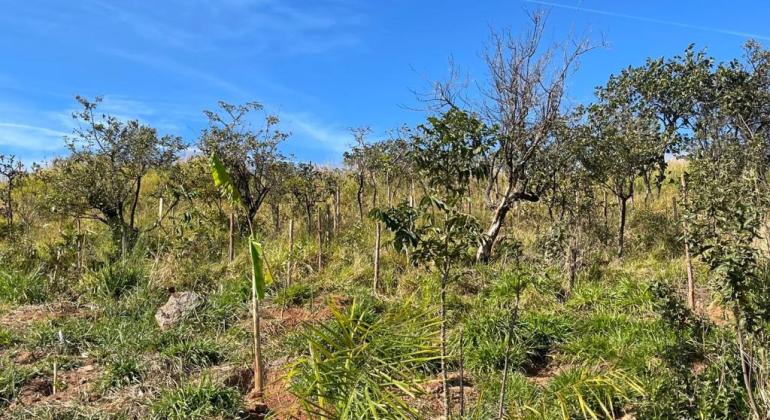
[(620, 343)]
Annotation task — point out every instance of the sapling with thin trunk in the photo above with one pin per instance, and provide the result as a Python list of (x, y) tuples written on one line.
[(438, 233)]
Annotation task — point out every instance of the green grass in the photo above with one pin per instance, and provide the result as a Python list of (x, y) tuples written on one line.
[(122, 370), (24, 288), (189, 353), (202, 400)]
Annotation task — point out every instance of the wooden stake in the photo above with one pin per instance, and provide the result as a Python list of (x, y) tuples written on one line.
[(320, 241), (411, 193), (259, 388), (377, 237), (336, 208), (675, 208), (80, 245), (291, 252), (687, 260), (462, 373)]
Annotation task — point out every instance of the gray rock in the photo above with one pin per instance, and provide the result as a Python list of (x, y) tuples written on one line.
[(178, 306)]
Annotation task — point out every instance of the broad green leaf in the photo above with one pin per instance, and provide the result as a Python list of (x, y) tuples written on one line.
[(260, 272), (222, 179)]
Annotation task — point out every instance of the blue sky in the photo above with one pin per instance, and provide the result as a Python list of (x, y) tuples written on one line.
[(323, 66)]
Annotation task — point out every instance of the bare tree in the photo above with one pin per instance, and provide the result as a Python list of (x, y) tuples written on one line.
[(524, 100)]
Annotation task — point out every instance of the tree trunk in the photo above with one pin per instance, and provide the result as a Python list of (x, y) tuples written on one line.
[(388, 190), (231, 239), (309, 214), (9, 210), (675, 208), (377, 237), (132, 218), (123, 242), (470, 197), (572, 265), (327, 218), (360, 196), (647, 187), (622, 201), (485, 249), (606, 210), (462, 373), (374, 192)]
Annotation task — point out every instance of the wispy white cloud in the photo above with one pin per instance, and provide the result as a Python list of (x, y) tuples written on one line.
[(274, 26), (326, 136), (31, 138), (652, 20), (175, 67)]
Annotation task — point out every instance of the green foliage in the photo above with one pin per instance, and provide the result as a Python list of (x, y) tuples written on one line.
[(7, 338), (584, 335), (260, 271), (449, 149), (243, 158), (102, 178), (222, 180)]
